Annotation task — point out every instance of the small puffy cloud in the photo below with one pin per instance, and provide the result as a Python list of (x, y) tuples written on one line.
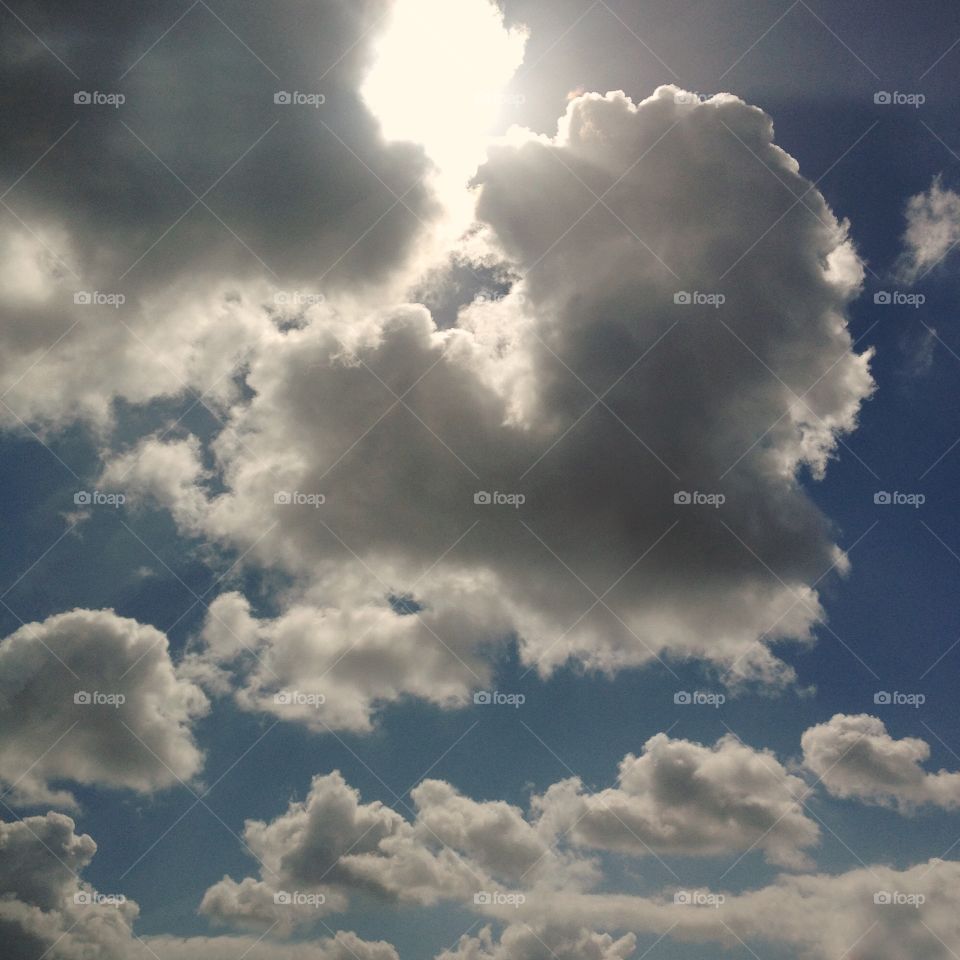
[(933, 230), (854, 757), (680, 797), (331, 667), (554, 942), (331, 843), (93, 698)]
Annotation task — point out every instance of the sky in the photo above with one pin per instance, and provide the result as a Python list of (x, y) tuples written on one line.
[(479, 480)]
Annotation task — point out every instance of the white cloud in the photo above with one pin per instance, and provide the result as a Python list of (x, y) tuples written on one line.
[(131, 727), (933, 230), (47, 910), (680, 797), (855, 757), (333, 843), (555, 942)]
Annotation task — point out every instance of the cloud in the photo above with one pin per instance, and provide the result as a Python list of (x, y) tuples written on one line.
[(855, 757), (522, 942), (44, 906), (332, 667), (933, 230), (46, 909), (679, 797), (333, 843), (197, 200), (382, 431), (93, 698), (871, 913), (342, 946)]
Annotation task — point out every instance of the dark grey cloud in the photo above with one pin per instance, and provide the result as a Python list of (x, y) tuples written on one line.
[(99, 196)]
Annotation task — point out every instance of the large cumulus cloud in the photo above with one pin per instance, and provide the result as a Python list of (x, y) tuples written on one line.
[(588, 390)]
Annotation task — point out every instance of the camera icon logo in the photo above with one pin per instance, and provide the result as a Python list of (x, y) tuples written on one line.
[(482, 697), (882, 297), (682, 898), (882, 898), (284, 697), (282, 496), (83, 297), (82, 697), (281, 96), (82, 498), (482, 497), (82, 898), (682, 696), (482, 898), (82, 96), (882, 697), (882, 497), (682, 497), (882, 96), (682, 297), (282, 898)]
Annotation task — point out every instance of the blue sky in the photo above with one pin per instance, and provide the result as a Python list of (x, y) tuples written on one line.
[(161, 560)]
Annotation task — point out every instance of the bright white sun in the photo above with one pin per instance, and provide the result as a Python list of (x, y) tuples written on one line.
[(439, 76)]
